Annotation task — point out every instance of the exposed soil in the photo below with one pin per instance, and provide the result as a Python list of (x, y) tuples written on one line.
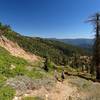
[(61, 91), (16, 50)]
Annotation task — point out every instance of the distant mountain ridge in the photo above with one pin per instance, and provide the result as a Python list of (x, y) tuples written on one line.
[(81, 42)]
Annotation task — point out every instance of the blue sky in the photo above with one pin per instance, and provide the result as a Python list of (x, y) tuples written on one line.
[(50, 18)]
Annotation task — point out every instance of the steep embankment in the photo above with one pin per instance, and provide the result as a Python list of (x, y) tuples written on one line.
[(16, 50)]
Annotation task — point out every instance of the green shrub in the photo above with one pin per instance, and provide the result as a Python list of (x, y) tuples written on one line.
[(2, 80), (36, 74), (19, 70), (5, 70), (32, 98), (7, 93)]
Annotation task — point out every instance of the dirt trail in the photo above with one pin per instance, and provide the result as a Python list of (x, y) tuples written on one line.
[(62, 91), (73, 88), (16, 50)]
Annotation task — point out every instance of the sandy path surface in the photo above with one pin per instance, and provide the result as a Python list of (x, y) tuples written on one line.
[(61, 91)]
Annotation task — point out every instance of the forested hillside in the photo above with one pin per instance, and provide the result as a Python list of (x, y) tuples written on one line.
[(86, 44), (54, 50)]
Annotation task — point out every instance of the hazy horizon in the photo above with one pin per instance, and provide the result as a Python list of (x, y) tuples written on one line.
[(62, 38)]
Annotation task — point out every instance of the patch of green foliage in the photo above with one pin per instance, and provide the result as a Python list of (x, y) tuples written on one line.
[(2, 80), (6, 93), (6, 60), (36, 74), (32, 98), (19, 70)]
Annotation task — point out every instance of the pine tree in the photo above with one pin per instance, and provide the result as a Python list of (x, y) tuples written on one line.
[(4, 29)]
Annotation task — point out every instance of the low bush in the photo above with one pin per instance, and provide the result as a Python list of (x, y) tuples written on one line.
[(32, 98), (6, 93)]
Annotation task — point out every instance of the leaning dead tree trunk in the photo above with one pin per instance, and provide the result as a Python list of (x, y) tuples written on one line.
[(96, 48)]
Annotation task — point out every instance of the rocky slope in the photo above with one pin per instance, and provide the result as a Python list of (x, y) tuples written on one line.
[(72, 88)]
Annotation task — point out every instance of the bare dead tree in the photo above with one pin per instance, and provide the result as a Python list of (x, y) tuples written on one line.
[(96, 47)]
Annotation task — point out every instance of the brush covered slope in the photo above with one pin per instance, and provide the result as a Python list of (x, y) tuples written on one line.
[(11, 67), (55, 50)]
